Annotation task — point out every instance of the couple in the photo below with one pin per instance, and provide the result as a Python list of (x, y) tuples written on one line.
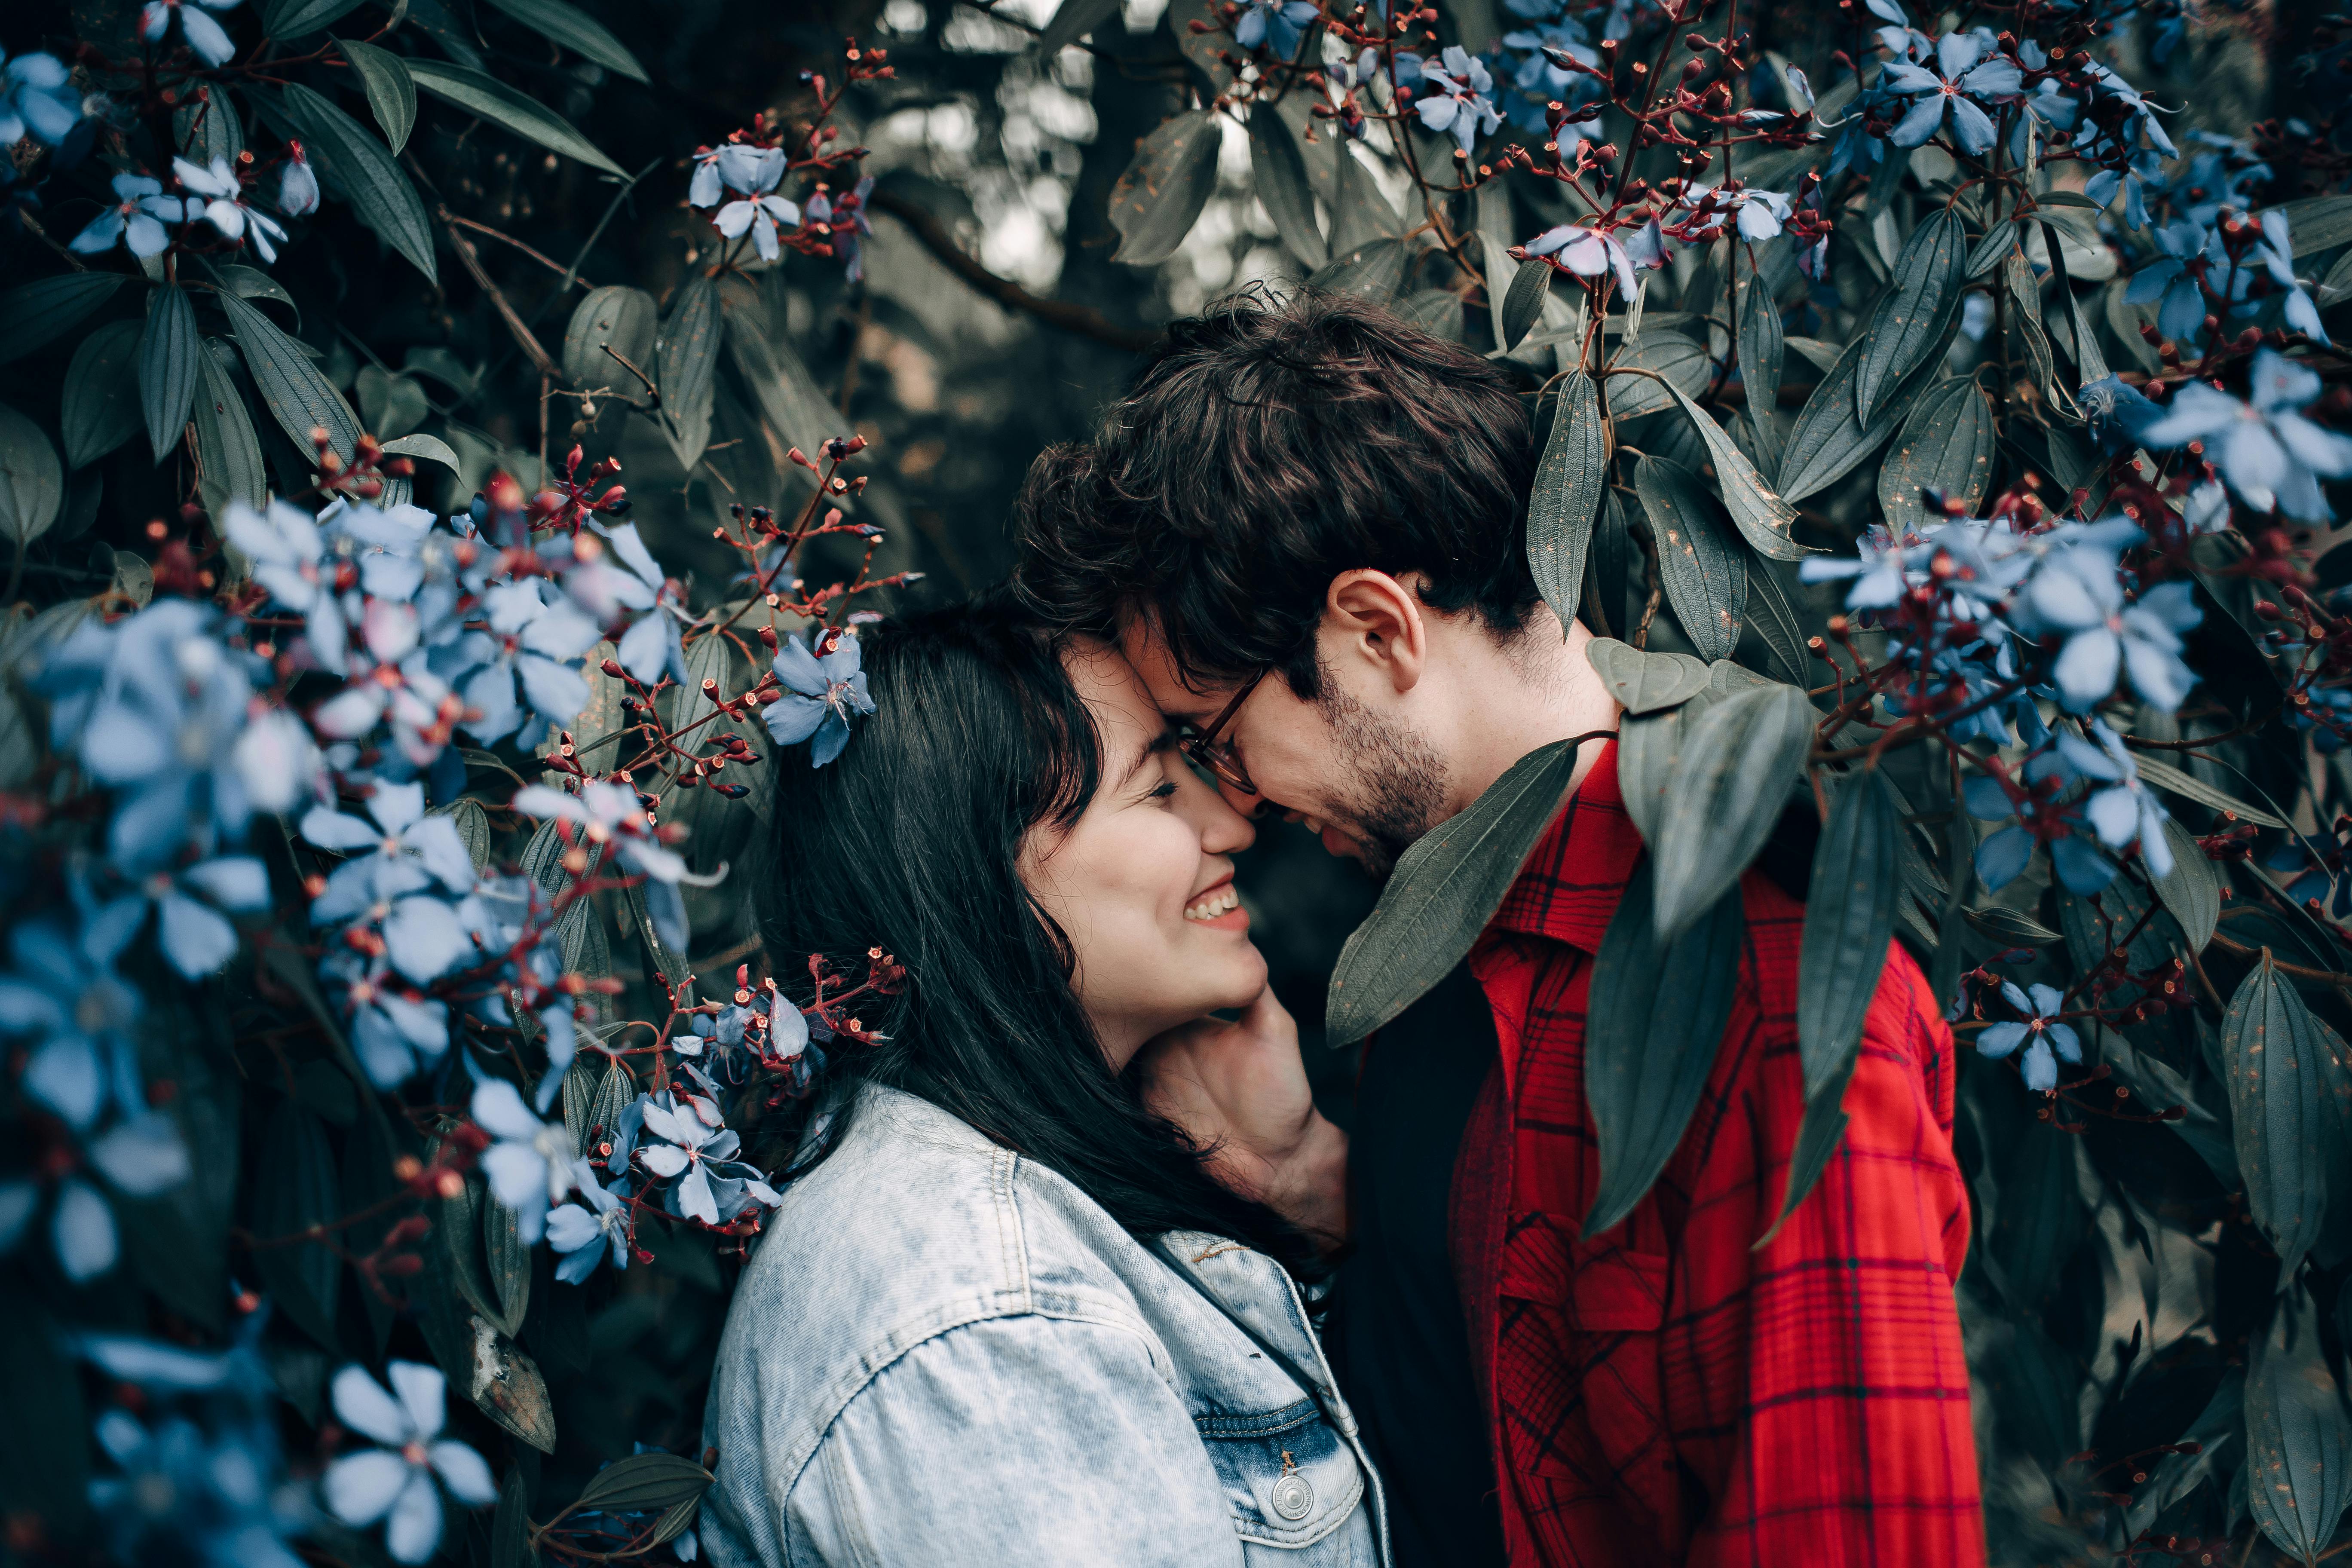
[(1071, 1270)]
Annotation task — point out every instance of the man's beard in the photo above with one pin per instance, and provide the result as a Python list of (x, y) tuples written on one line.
[(1396, 791)]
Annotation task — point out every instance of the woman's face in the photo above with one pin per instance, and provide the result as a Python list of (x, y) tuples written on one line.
[(1141, 882)]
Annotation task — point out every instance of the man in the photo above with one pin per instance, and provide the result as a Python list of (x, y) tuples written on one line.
[(1306, 527)]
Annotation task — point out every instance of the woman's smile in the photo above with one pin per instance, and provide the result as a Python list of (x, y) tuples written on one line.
[(1220, 906)]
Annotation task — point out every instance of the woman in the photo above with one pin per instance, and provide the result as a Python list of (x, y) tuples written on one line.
[(1009, 1315)]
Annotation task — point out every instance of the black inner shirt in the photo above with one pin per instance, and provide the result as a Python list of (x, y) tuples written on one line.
[(1395, 1334)]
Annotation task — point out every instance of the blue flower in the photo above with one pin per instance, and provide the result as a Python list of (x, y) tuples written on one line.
[(581, 1236), (180, 1496), (1963, 77), (2041, 1026), (223, 204), (411, 851), (713, 1185), (291, 560), (196, 937), (298, 184), (2171, 281), (529, 643), (530, 1165), (137, 219), (1588, 253), (613, 816), (1455, 97), (819, 698), (63, 991), (394, 1027), (396, 1480), (2034, 818), (1275, 21), (2126, 809), (2119, 412), (2076, 592), (1879, 569), (36, 96), (2270, 454), (203, 34)]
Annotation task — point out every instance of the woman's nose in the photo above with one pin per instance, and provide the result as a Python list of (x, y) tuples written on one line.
[(1219, 812)]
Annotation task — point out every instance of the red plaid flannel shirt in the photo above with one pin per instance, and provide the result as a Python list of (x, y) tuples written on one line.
[(1663, 1394)]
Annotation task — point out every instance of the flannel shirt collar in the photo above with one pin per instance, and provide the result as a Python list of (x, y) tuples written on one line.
[(1572, 881)]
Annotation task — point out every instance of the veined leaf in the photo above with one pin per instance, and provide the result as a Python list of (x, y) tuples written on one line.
[(391, 91), (1157, 200), (1946, 444), (2193, 893), (32, 315), (625, 318), (300, 18), (359, 169), (100, 408), (1370, 271), (1280, 170), (2318, 222), (1773, 612), (1359, 213), (297, 396), (2298, 1441), (1523, 302), (576, 31), (644, 1482), (228, 452), (1849, 919), (1654, 1021), (1762, 518), (1728, 788), (2082, 343), (1680, 361), (167, 366), (32, 485), (487, 97), (1642, 681), (1913, 317), (1566, 495), (430, 449), (1706, 580), (1443, 891), (688, 354), (1986, 254), (295, 1187), (2273, 1065), (2189, 786), (1762, 349), (1829, 442)]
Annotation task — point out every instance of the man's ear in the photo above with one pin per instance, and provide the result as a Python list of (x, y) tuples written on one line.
[(1376, 619)]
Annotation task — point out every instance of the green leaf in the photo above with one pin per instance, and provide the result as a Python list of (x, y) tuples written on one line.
[(688, 350), (2006, 926), (429, 448), (1849, 919), (366, 176), (1443, 891), (1523, 303), (2082, 343), (511, 1526), (2298, 1441), (1728, 788), (1156, 201), (600, 1110), (32, 315), (576, 31), (643, 1482), (1647, 750), (459, 1227), (300, 18), (1818, 1132), (1946, 443), (1360, 215), (291, 388), (1653, 1022), (167, 366), (44, 1455), (1829, 442), (2188, 786), (252, 283), (1989, 252), (391, 405), (1642, 681), (787, 395), (1278, 170), (228, 452), (1072, 20), (1370, 271), (2193, 893), (2274, 1067), (1914, 315), (1566, 497), (508, 1258), (1761, 353), (1706, 580), (487, 97), (1681, 362), (391, 91), (2208, 1451), (2318, 222), (296, 1186), (205, 129), (1773, 614), (32, 485), (1762, 518)]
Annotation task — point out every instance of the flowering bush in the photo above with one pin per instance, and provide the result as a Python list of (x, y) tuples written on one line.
[(1936, 441)]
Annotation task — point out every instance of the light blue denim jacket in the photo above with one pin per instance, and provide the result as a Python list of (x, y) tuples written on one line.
[(942, 1354)]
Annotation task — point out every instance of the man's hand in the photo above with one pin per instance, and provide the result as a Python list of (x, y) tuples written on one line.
[(1240, 1089)]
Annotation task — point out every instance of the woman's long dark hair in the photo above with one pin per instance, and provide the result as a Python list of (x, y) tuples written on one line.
[(910, 842)]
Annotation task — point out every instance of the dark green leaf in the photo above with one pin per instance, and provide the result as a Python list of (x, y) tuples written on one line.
[(511, 1526), (296, 1187), (2006, 926), (44, 1455), (2082, 343), (228, 452), (1761, 351), (1443, 891), (2277, 1075), (1946, 443), (577, 32), (252, 283), (1566, 495), (1156, 201), (1988, 252), (1728, 787), (365, 175), (300, 18), (507, 1387), (34, 314), (2036, 1214), (460, 1228), (297, 396), (1829, 442), (167, 366), (1681, 362), (508, 1258), (1645, 682), (205, 129), (1705, 577), (600, 1110), (2298, 1441), (1914, 316), (1523, 302), (1360, 215), (427, 448), (2188, 786), (487, 97), (787, 395), (1849, 919), (688, 352), (1647, 750), (1280, 170), (2193, 893), (1773, 614), (1074, 21), (391, 91), (1370, 271), (644, 1482), (390, 404), (1653, 1022), (2214, 1436), (1762, 518), (32, 485), (1432, 310), (2318, 222)]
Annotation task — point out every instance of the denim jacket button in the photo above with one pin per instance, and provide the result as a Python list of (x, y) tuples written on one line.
[(1292, 1497)]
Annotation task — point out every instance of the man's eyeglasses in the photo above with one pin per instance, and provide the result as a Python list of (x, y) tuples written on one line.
[(1205, 750)]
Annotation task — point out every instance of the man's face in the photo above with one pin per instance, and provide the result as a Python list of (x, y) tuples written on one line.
[(1362, 779)]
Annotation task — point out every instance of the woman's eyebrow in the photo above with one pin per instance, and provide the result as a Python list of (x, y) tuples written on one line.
[(1135, 763)]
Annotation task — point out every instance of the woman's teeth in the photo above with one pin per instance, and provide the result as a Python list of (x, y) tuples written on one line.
[(1215, 904)]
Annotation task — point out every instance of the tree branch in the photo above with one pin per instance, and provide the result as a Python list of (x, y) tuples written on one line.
[(1082, 319)]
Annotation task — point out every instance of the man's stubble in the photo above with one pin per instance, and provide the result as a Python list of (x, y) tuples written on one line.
[(1396, 784)]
